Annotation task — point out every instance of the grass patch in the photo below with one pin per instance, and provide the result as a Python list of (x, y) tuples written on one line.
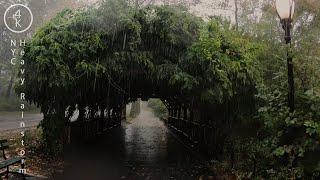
[(159, 109), (12, 104)]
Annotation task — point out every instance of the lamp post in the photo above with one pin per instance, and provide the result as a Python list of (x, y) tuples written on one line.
[(285, 9)]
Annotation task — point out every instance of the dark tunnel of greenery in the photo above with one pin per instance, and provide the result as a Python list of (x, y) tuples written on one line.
[(104, 57), (107, 57)]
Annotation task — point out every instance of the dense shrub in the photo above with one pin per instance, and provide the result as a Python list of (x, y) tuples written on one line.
[(158, 108)]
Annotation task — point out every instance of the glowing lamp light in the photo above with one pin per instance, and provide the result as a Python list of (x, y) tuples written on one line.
[(285, 9)]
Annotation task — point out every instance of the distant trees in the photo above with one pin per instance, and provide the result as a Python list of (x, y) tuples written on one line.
[(135, 108), (42, 12), (158, 108)]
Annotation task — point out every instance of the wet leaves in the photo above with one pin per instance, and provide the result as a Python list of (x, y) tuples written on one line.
[(37, 163)]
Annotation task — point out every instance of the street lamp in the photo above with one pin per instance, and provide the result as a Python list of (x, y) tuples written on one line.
[(285, 9)]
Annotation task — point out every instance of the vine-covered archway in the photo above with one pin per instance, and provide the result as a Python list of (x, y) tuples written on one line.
[(104, 57)]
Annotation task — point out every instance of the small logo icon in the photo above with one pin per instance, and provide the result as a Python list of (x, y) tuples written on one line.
[(18, 18)]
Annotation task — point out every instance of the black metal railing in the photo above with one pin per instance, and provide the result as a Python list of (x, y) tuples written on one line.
[(88, 128), (199, 135)]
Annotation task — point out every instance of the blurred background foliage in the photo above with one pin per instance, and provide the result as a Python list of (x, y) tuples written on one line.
[(158, 107)]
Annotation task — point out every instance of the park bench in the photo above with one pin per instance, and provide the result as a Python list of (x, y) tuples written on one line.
[(6, 162)]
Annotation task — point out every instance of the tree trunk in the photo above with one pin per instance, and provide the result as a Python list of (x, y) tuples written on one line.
[(236, 14), (135, 109), (9, 87)]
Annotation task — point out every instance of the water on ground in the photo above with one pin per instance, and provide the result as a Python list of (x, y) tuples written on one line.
[(140, 149)]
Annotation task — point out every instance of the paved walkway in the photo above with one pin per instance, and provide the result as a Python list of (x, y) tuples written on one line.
[(142, 149), (11, 120)]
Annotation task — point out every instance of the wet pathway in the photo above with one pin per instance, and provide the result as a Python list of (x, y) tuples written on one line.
[(142, 149), (11, 120)]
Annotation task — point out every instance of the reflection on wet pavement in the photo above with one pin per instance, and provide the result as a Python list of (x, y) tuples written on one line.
[(141, 149), (145, 142)]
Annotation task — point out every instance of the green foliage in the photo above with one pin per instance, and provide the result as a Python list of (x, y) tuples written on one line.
[(280, 145), (13, 104), (158, 108), (92, 58), (79, 55), (220, 62), (110, 55), (283, 145)]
